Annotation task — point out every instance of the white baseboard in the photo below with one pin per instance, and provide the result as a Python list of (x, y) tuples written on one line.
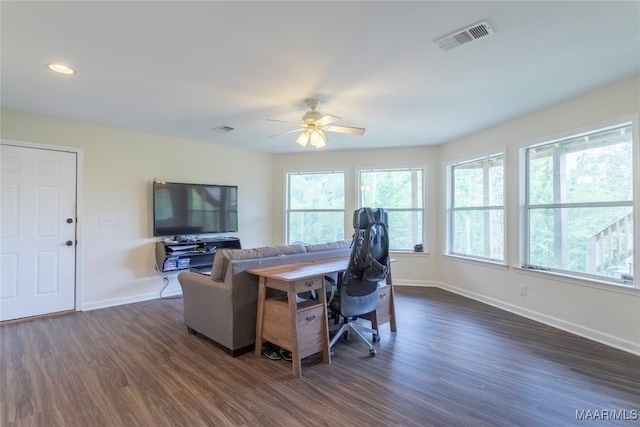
[(573, 328), (128, 300), (421, 283)]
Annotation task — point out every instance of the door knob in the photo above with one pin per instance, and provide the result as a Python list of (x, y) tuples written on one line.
[(69, 220), (69, 243)]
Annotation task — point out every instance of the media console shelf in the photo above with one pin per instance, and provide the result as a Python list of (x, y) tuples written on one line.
[(197, 254)]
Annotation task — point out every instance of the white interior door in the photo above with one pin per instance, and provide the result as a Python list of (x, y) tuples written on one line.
[(37, 231)]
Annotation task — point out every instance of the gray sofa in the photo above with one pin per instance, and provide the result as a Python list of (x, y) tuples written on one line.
[(222, 307)]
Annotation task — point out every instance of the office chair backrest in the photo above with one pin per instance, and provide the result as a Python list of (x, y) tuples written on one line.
[(369, 262), (370, 250)]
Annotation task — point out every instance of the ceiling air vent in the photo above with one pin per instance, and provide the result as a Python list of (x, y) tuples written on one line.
[(223, 129), (466, 35)]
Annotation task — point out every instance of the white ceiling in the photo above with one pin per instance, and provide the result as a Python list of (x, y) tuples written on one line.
[(182, 68)]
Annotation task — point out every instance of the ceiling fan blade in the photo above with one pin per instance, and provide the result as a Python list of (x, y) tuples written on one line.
[(284, 133), (283, 121), (345, 129), (326, 119)]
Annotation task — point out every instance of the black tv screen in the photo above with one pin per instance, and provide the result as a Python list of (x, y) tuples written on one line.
[(180, 209)]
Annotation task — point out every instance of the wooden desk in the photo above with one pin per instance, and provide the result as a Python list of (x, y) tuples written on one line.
[(302, 327)]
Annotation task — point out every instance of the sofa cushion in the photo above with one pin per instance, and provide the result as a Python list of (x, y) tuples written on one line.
[(223, 256), (264, 252), (217, 269), (341, 244), (292, 249)]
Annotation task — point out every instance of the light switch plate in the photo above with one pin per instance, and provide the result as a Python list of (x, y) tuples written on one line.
[(107, 220)]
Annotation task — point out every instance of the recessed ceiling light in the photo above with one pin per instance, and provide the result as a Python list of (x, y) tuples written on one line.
[(60, 68)]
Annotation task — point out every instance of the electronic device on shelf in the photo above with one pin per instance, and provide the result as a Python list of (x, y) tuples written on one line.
[(181, 209), (181, 248)]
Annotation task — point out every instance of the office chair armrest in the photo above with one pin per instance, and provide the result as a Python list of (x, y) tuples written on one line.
[(334, 287)]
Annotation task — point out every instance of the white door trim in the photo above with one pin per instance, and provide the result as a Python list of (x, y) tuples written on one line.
[(79, 204)]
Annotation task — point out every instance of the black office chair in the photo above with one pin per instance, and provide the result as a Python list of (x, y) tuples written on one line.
[(357, 287)]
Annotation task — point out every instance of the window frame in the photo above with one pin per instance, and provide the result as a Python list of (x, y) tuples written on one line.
[(525, 209), (451, 209), (422, 209), (287, 200)]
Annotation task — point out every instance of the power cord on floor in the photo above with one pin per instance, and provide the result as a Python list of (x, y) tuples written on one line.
[(166, 283)]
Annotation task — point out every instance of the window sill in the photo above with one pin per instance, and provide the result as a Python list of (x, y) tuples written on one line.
[(580, 281), (477, 261), (409, 253)]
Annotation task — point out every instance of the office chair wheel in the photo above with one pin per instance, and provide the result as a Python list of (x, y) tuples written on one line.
[(373, 352), (376, 338)]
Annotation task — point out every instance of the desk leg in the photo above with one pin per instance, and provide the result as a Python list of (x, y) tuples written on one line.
[(392, 305), (262, 290), (326, 353), (293, 318)]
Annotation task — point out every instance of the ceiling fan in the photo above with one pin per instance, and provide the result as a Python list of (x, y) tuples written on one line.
[(315, 124)]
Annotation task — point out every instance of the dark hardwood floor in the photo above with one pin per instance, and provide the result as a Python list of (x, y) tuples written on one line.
[(453, 362)]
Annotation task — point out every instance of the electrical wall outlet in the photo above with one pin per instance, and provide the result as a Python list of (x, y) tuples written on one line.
[(523, 290)]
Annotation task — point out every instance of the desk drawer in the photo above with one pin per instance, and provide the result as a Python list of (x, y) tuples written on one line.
[(311, 325), (384, 305), (382, 314), (309, 284)]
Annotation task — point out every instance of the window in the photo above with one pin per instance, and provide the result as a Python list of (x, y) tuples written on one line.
[(315, 207), (579, 205), (400, 192), (476, 208)]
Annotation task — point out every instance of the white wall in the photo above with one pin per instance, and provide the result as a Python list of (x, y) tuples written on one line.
[(604, 313), (119, 166)]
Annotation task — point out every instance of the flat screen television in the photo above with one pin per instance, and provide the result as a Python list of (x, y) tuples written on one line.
[(183, 209)]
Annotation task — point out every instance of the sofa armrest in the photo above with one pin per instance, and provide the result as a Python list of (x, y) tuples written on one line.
[(198, 282), (206, 306)]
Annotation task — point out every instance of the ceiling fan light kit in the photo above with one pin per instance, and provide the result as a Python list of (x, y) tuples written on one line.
[(316, 137), (314, 124), (303, 139)]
